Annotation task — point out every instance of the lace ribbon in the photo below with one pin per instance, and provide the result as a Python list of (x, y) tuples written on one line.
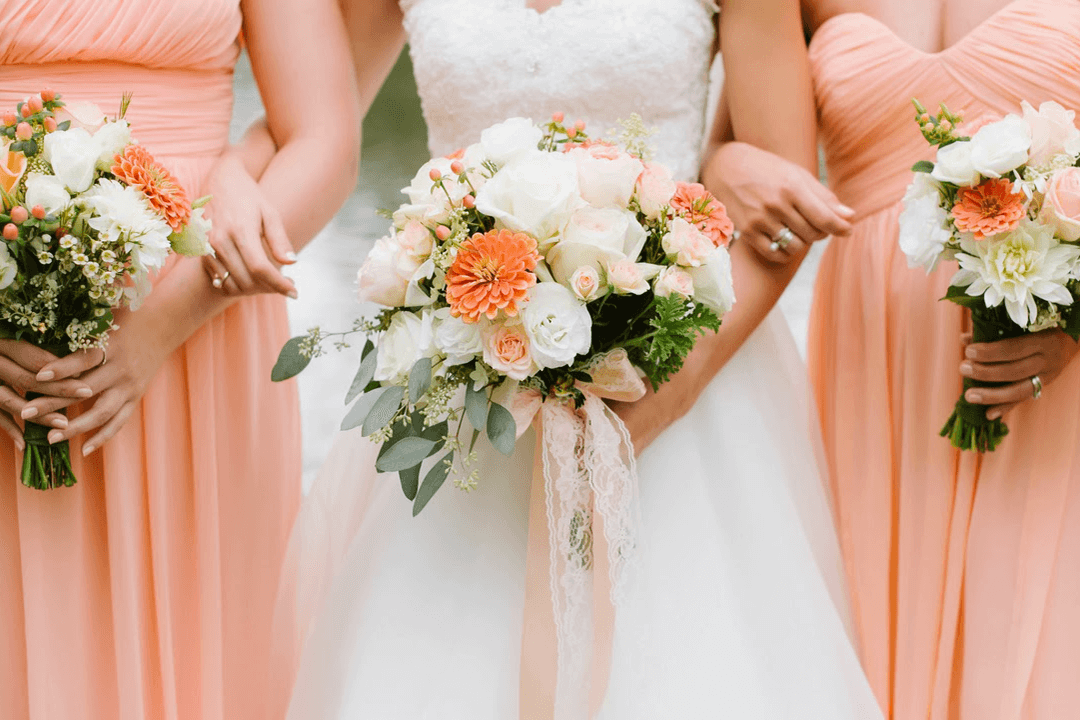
[(590, 479)]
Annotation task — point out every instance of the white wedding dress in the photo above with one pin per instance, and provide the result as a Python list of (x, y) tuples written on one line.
[(735, 606)]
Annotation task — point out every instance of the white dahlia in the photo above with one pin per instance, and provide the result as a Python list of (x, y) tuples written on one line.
[(122, 215)]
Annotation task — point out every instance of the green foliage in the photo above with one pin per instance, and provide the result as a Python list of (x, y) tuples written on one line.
[(923, 166), (434, 480), (501, 429), (676, 325), (291, 360), (385, 408)]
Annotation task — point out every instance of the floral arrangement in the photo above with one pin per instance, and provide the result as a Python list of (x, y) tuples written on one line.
[(1002, 198), (538, 263), (87, 216)]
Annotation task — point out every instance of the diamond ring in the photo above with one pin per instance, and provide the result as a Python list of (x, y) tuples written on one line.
[(1036, 387), (782, 240)]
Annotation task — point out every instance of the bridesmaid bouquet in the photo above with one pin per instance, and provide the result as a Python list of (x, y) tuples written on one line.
[(536, 267), (87, 216), (1002, 198)]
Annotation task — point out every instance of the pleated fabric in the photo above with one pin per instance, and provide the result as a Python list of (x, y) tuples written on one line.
[(145, 592), (964, 570)]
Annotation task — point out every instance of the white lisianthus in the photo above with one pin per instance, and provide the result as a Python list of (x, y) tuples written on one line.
[(689, 245), (123, 214), (674, 281), (1017, 267), (655, 188), (627, 277), (535, 194), (111, 139), (558, 325), (460, 341), (194, 239), (385, 274), (586, 283), (8, 267), (1053, 132), (48, 191), (73, 157), (509, 140), (595, 236), (1000, 147), (713, 286), (953, 165), (406, 340), (607, 175), (924, 224)]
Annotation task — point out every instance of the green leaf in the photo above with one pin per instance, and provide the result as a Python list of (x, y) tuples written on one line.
[(476, 405), (384, 409), (405, 453), (434, 480), (501, 429), (419, 379), (363, 375), (64, 126), (959, 296), (410, 481), (359, 412), (291, 362), (923, 166)]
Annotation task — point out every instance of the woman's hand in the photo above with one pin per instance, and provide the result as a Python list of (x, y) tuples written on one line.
[(765, 193), (648, 417), (248, 235), (20, 363), (1015, 361), (136, 351)]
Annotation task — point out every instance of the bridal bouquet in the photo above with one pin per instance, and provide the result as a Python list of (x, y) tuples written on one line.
[(1002, 198), (87, 216), (536, 266)]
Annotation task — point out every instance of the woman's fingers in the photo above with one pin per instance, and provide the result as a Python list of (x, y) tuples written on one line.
[(826, 218), (998, 411), (13, 431), (71, 366), (107, 405), (263, 273), (110, 429), (28, 356), (1006, 394), (16, 376), (225, 247), (1003, 372), (277, 240), (41, 407), (1008, 350), (15, 406)]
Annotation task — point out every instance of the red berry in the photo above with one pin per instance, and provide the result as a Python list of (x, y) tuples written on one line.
[(38, 212), (24, 131), (48, 95), (10, 118), (558, 117), (469, 201), (19, 214), (457, 167), (35, 104), (11, 232), (50, 124), (434, 174), (442, 232)]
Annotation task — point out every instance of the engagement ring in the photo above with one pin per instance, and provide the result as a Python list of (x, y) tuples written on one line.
[(1036, 386), (782, 240)]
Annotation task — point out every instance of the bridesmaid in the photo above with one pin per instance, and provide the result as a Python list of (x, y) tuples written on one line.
[(146, 590), (965, 569)]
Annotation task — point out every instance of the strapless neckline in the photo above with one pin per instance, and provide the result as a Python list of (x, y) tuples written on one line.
[(968, 37)]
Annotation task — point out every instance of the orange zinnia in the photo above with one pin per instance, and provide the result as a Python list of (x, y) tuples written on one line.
[(988, 209), (493, 271), (138, 168), (700, 208)]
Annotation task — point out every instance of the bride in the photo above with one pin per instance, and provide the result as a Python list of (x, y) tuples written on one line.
[(736, 606)]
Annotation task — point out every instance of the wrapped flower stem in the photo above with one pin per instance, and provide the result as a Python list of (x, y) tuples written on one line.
[(45, 466)]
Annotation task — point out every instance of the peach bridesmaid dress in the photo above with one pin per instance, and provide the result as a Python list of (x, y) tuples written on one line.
[(965, 570), (145, 592)]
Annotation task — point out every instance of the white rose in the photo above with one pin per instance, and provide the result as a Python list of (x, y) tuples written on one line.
[(385, 274), (1053, 132), (73, 156), (536, 194), (606, 175), (405, 341), (627, 277), (430, 215), (558, 325), (460, 341), (655, 188), (595, 236), (586, 284), (415, 239), (953, 165), (689, 245), (673, 280), (713, 286), (112, 138), (194, 239), (924, 224), (1000, 147), (509, 140), (8, 268), (48, 191)]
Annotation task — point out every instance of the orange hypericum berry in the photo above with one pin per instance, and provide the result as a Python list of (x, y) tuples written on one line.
[(38, 212), (35, 104), (24, 131), (442, 232), (50, 124), (11, 232), (10, 118), (469, 202), (48, 95), (434, 174), (19, 215), (457, 167), (558, 117)]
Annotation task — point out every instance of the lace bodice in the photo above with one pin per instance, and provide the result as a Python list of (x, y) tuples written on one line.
[(478, 62)]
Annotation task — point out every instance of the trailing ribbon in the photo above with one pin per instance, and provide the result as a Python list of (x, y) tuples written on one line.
[(590, 479)]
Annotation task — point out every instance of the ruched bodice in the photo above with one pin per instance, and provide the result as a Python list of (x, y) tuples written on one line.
[(865, 76), (478, 62)]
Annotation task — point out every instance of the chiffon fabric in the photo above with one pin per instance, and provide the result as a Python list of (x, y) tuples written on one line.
[(965, 570), (145, 592)]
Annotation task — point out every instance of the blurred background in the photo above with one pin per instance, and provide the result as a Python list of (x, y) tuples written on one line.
[(395, 145)]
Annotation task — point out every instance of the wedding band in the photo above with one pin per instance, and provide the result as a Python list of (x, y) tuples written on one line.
[(104, 357), (1036, 387), (784, 237), (219, 282)]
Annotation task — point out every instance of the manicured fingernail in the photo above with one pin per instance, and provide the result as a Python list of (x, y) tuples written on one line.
[(29, 412), (55, 436), (291, 257), (60, 422), (293, 294), (45, 375), (87, 449), (84, 393), (966, 368), (970, 352), (974, 397), (20, 444), (993, 415), (845, 210)]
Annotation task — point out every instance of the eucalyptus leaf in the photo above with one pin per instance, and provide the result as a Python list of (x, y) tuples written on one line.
[(476, 406), (359, 412), (384, 409), (501, 429), (363, 375), (410, 481), (400, 429), (405, 453), (434, 480), (291, 362), (419, 379)]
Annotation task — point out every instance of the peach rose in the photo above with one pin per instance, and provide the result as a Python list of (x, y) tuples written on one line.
[(506, 350), (655, 188), (585, 282), (1062, 205), (12, 168)]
